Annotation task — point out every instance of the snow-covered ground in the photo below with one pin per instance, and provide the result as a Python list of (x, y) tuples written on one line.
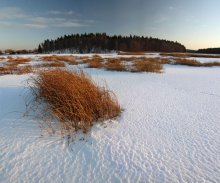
[(169, 131)]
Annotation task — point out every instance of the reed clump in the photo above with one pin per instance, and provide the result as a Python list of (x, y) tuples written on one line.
[(95, 62), (69, 59), (114, 64), (147, 66), (73, 99)]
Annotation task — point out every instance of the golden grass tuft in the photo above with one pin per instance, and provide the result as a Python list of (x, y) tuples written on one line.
[(11, 66), (69, 59), (188, 62), (132, 53), (50, 64), (195, 63), (95, 62), (74, 99), (183, 55), (18, 60), (24, 70), (114, 64), (4, 71), (211, 64), (203, 55), (147, 66)]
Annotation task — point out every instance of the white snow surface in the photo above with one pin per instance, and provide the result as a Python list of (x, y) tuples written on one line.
[(169, 131)]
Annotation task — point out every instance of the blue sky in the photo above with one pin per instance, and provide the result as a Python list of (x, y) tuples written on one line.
[(26, 23)]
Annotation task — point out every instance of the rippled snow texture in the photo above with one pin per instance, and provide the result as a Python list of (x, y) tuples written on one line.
[(169, 131)]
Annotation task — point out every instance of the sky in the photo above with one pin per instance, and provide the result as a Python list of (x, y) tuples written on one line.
[(26, 23)]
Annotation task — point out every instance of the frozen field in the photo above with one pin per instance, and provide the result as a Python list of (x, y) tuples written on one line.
[(169, 131)]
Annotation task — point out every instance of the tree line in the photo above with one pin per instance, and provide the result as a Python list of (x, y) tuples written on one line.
[(209, 50), (101, 42)]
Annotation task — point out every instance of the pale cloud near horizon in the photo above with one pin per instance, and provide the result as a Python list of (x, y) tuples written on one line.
[(171, 8), (11, 12), (55, 12), (59, 19)]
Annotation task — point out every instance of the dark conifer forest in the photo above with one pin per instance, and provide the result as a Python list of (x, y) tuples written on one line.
[(209, 50), (101, 42)]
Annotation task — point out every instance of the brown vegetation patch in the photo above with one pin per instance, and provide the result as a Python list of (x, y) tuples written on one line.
[(188, 62), (211, 64), (174, 54), (147, 66), (185, 55), (195, 63), (95, 62), (131, 53), (70, 59), (18, 60), (24, 70), (50, 64), (114, 64), (11, 66), (4, 71), (74, 99), (203, 55)]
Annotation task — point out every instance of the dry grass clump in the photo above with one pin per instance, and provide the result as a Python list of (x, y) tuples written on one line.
[(50, 64), (203, 55), (114, 64), (164, 61), (211, 64), (17, 60), (11, 66), (188, 62), (174, 54), (24, 70), (95, 62), (131, 53), (195, 63), (4, 71), (185, 55), (147, 66), (74, 99), (70, 59)]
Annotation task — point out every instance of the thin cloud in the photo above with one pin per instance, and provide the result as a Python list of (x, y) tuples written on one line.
[(58, 22), (23, 20), (55, 12), (19, 25), (11, 12), (171, 8)]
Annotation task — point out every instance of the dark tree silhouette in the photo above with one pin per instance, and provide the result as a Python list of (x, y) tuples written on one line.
[(101, 42), (40, 49), (209, 50)]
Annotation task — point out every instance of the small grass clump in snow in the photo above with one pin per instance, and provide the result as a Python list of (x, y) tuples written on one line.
[(182, 55), (114, 64), (24, 70), (211, 64), (131, 53), (69, 59), (95, 62), (188, 62), (50, 64), (147, 66), (195, 63), (185, 55), (74, 99), (12, 65), (4, 71)]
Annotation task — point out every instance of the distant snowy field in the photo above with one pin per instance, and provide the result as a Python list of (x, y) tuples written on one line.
[(169, 131)]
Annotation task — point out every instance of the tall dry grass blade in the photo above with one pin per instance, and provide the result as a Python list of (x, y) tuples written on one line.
[(73, 99)]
